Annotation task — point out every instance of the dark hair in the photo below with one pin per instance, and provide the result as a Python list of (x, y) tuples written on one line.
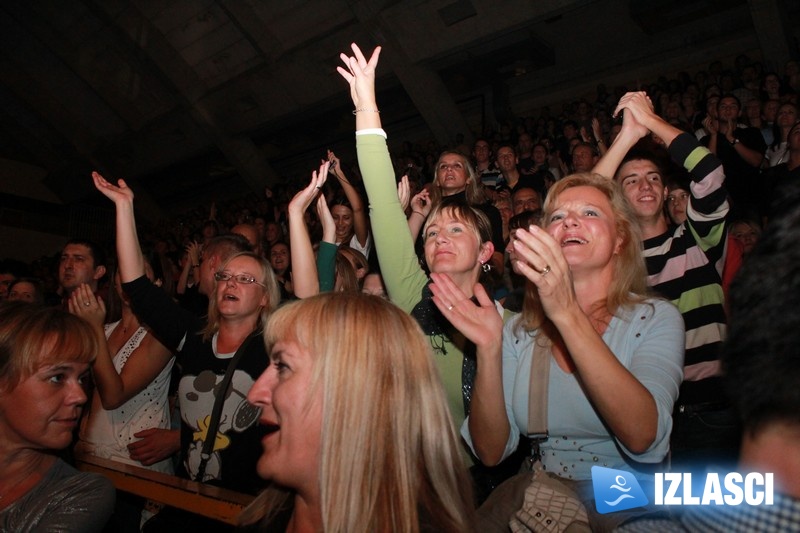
[(641, 154), (760, 360), (37, 285), (730, 95), (98, 253)]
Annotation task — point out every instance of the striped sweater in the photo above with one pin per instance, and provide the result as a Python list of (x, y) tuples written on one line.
[(685, 264)]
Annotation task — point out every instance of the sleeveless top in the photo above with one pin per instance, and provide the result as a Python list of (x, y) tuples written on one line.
[(107, 433)]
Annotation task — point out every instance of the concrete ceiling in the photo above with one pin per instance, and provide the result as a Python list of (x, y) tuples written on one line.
[(194, 99)]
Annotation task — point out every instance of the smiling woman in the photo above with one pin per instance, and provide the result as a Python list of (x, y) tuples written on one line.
[(349, 445), (45, 355)]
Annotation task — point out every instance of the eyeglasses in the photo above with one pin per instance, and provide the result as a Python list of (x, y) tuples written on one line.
[(241, 279), (674, 199)]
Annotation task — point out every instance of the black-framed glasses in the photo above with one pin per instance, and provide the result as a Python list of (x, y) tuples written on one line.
[(241, 279)]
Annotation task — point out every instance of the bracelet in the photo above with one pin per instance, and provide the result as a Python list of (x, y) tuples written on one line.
[(417, 212), (365, 110)]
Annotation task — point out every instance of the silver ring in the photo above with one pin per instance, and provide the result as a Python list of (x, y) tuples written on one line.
[(545, 270), (450, 307), (318, 187), (86, 304)]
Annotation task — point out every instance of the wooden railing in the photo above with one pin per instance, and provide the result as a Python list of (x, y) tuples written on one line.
[(205, 500)]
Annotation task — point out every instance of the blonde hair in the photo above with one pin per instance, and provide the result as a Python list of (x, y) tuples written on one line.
[(474, 188), (267, 277), (32, 336), (389, 455), (629, 281)]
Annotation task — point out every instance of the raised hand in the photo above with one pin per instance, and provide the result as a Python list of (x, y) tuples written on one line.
[(421, 202), (480, 323), (83, 303), (539, 258), (711, 125), (303, 199), (193, 251), (360, 74), (335, 167), (119, 193)]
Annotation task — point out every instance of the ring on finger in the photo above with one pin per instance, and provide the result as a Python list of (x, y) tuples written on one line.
[(86, 304), (545, 270)]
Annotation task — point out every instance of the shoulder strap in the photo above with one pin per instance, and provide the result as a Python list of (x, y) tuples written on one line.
[(537, 392), (216, 411)]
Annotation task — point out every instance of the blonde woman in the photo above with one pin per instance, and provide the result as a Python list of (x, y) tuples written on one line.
[(360, 436)]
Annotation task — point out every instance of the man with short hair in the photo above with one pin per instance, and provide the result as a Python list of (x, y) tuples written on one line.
[(525, 198), (684, 265), (507, 160), (762, 372), (488, 172), (583, 157), (82, 261), (741, 150)]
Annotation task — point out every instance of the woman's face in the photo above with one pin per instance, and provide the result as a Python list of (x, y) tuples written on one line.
[(451, 174), (582, 221), (43, 410), (343, 218), (22, 291), (746, 235), (279, 258), (677, 202), (787, 115), (292, 417), (451, 245), (241, 299)]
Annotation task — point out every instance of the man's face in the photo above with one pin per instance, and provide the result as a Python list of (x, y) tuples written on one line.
[(643, 186), (506, 159), (525, 143), (525, 199), (481, 151), (77, 266), (728, 109), (582, 159)]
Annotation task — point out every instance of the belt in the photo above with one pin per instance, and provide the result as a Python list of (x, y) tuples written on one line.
[(702, 407)]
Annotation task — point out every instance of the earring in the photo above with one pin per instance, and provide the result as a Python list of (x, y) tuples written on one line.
[(486, 267)]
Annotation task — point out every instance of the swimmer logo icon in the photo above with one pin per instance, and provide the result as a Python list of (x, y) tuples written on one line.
[(616, 490)]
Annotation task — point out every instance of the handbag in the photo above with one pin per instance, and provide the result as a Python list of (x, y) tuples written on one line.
[(549, 504)]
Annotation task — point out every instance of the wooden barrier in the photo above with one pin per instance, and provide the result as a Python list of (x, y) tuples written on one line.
[(205, 500)]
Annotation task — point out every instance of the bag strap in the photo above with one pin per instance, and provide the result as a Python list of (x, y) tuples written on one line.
[(216, 411), (537, 392)]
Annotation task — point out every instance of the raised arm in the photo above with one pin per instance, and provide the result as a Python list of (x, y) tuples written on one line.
[(628, 136), (192, 262), (142, 367), (420, 205), (304, 267), (360, 218), (640, 106), (402, 274), (129, 254)]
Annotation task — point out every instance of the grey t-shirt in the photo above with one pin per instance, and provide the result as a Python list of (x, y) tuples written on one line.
[(66, 500)]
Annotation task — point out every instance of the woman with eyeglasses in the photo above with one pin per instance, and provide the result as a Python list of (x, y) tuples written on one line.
[(227, 342)]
